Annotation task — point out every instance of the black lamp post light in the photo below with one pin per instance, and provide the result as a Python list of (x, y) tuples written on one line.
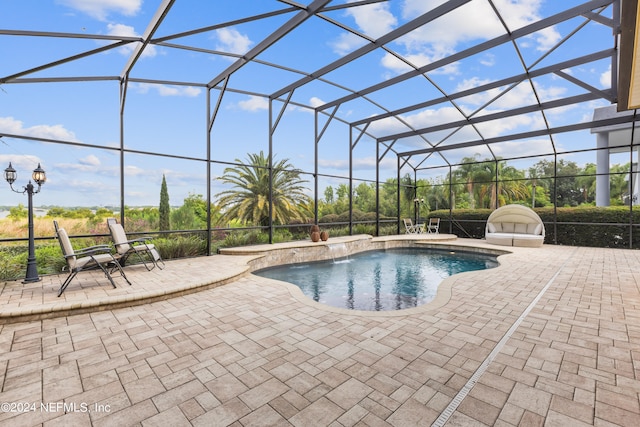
[(418, 203), (39, 177)]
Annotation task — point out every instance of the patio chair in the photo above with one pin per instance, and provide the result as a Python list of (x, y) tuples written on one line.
[(145, 252), (433, 226), (410, 228), (90, 258)]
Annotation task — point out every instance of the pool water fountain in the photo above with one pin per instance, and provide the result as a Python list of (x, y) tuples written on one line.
[(335, 249)]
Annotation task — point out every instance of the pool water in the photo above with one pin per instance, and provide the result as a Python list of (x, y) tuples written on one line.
[(384, 280)]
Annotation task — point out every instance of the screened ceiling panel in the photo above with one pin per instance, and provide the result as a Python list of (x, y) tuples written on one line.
[(453, 78)]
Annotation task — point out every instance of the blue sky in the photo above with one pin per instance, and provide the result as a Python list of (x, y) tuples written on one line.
[(171, 118)]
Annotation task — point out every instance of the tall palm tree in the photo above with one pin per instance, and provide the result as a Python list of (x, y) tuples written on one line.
[(511, 186), (468, 172), (248, 200)]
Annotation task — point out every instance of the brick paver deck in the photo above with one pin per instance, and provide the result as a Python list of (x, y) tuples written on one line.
[(551, 337)]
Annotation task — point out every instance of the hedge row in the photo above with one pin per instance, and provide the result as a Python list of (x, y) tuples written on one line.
[(607, 227)]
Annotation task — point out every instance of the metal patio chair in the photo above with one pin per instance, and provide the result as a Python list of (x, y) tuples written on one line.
[(433, 226), (90, 258), (145, 252), (410, 228)]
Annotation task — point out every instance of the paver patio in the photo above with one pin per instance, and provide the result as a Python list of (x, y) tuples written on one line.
[(551, 337)]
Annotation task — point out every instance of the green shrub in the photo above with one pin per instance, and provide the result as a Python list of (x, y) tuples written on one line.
[(10, 267), (253, 237), (181, 246), (13, 260), (49, 258)]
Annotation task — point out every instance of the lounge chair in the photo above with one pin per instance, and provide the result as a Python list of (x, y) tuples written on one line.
[(90, 258), (433, 226), (146, 252), (515, 225), (410, 228)]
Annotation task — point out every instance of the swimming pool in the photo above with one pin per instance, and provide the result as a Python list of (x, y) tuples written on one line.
[(382, 280)]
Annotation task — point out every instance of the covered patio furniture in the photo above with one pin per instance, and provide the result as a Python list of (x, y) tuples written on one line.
[(515, 225), (90, 258), (144, 251), (433, 226)]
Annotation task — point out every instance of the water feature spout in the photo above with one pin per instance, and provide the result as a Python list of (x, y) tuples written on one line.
[(338, 250), (295, 257)]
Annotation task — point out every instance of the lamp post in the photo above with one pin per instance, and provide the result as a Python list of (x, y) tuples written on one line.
[(39, 177), (417, 203)]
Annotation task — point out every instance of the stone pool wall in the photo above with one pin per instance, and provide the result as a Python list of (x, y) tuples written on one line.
[(337, 248)]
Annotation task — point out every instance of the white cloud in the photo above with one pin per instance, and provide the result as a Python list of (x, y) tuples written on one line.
[(346, 42), (254, 103), (422, 119), (82, 167), (605, 78), (316, 102), (472, 21), (489, 60), (134, 171), (519, 96), (128, 31), (90, 160), (190, 91), (529, 147), (391, 62), (546, 38), (165, 90), (433, 117), (230, 40), (361, 163), (90, 187), (22, 163), (100, 9), (373, 20), (11, 125), (496, 128)]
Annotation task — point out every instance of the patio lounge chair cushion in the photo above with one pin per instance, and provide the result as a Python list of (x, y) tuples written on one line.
[(126, 247), (515, 225)]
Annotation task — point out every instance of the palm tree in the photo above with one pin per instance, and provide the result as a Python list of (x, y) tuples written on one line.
[(586, 182), (468, 172), (619, 182), (248, 200), (437, 195)]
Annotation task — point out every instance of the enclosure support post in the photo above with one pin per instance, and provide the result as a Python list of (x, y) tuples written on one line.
[(377, 188), (631, 180), (123, 96), (398, 196), (497, 190), (555, 198), (211, 118), (451, 200)]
